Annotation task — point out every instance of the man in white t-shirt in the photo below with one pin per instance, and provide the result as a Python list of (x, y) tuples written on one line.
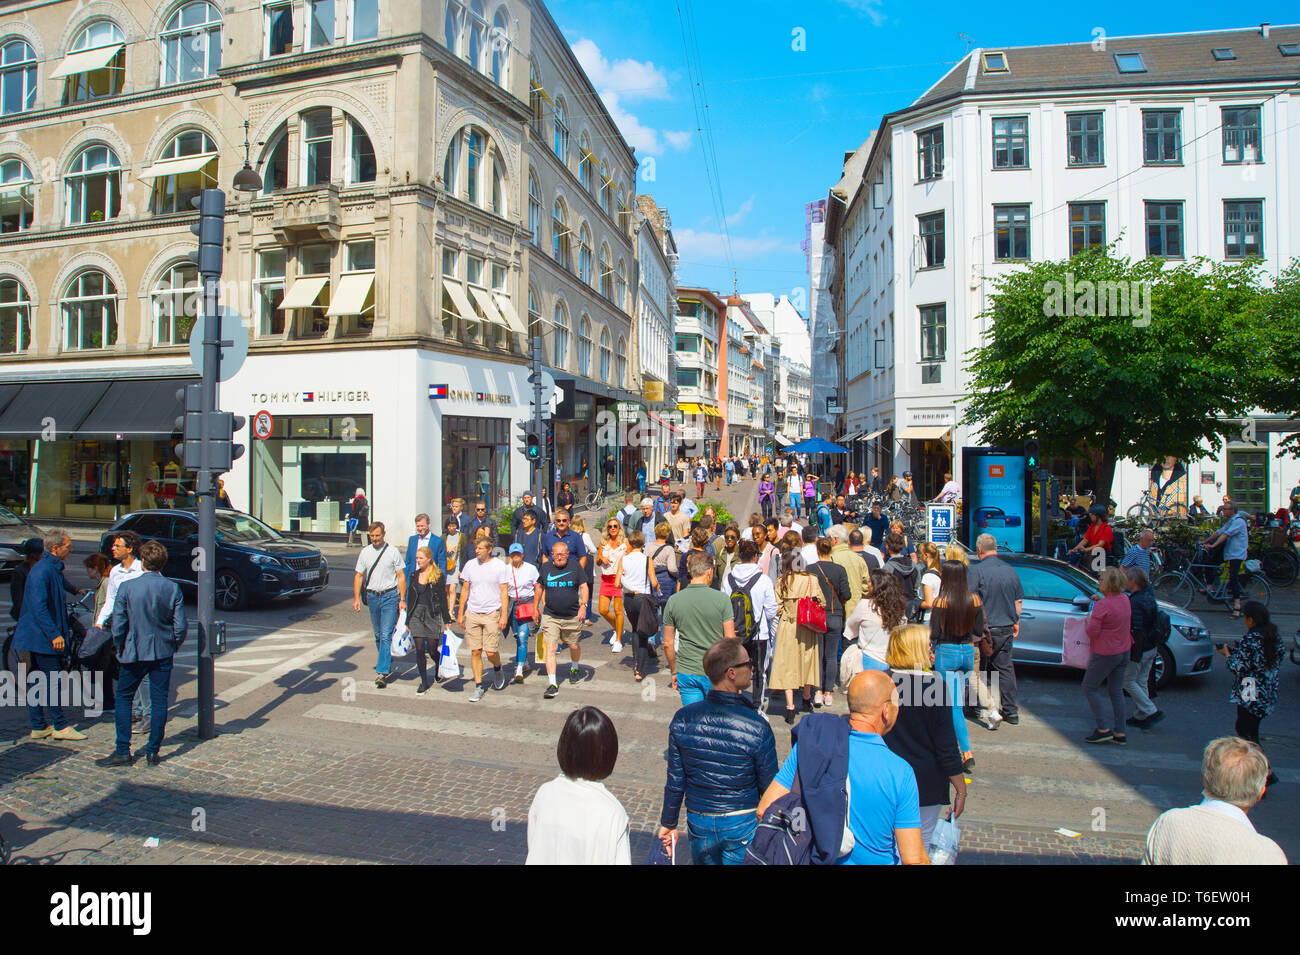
[(522, 589), (125, 548), (379, 570), (484, 602)]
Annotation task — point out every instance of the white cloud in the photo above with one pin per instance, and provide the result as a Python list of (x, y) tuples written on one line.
[(869, 8), (711, 247), (630, 80), (737, 217)]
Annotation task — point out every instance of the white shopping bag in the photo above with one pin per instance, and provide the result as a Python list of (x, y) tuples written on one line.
[(945, 842), (448, 667), (401, 643)]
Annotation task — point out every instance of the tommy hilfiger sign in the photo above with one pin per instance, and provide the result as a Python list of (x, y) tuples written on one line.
[(316, 397), (481, 397)]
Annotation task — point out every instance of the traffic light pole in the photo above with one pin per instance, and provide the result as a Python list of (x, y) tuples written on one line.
[(539, 424)]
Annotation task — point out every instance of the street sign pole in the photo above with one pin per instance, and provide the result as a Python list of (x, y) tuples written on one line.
[(1044, 485), (539, 426)]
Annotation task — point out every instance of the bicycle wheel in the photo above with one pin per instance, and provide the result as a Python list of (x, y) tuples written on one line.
[(1175, 589), (1137, 513), (1280, 565), (1255, 587)]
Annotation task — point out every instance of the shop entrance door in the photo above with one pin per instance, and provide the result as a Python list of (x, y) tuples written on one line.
[(1248, 479)]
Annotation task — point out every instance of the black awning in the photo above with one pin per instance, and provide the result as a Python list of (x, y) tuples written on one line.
[(7, 394), (141, 408), (50, 407)]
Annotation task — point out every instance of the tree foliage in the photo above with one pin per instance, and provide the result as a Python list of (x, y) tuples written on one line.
[(1277, 387), (1058, 364)]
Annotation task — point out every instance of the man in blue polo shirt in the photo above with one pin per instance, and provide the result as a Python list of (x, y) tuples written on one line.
[(884, 806), (571, 538)]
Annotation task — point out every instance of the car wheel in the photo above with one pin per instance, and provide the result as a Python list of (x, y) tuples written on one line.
[(1162, 669), (230, 591)]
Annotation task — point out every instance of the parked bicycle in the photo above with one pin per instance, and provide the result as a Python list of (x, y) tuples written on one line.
[(1179, 587), (1151, 512)]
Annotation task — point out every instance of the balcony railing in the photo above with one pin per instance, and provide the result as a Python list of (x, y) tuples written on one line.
[(300, 212)]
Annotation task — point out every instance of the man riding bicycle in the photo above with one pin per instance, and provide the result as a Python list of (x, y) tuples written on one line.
[(1234, 535)]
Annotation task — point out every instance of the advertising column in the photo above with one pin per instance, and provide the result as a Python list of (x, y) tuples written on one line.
[(995, 496)]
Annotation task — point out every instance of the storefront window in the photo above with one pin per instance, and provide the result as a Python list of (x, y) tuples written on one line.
[(307, 471), (476, 460), (98, 480)]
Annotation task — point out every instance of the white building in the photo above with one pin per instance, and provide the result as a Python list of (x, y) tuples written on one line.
[(656, 310), (1178, 146)]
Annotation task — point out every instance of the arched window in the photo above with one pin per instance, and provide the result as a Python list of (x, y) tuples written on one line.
[(93, 185), (561, 144), (534, 99), (361, 154), (451, 165), (560, 234), (99, 73), (584, 346), (534, 314), (534, 210), (17, 196), (473, 170), (500, 42), (191, 43), (317, 147), (475, 145), (478, 34), (606, 273), (454, 26), (176, 299), (620, 363), (560, 337), (605, 354), (620, 284), (17, 77), (15, 318), (585, 163), (184, 169), (89, 309), (277, 161), (498, 195), (606, 187), (584, 254)]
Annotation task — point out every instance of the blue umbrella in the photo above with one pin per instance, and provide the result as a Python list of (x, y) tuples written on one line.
[(816, 446)]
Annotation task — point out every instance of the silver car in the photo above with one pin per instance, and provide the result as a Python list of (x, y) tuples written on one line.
[(1055, 591), (14, 532)]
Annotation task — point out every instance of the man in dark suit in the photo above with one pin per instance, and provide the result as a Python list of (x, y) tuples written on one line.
[(43, 633), (149, 626), (425, 537)]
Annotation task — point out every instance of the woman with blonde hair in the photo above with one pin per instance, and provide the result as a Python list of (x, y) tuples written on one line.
[(612, 547), (923, 733), (426, 614), (955, 551), (795, 660)]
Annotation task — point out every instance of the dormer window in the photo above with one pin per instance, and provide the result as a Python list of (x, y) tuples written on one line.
[(1289, 49), (1130, 63), (996, 63)]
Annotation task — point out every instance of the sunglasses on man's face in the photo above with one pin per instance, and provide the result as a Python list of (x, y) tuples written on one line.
[(743, 663)]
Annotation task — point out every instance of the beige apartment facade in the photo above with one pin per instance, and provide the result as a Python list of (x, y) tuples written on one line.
[(388, 272)]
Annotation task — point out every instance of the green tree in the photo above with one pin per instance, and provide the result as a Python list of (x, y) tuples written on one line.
[(1105, 358), (1277, 386)]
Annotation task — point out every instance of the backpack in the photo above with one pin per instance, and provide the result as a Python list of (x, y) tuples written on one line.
[(784, 835), (742, 608)]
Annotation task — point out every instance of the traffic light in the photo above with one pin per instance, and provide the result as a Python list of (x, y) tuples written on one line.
[(211, 230), (222, 427), (530, 442), (1031, 455)]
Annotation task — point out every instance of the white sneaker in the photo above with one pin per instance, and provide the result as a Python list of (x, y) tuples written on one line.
[(615, 646)]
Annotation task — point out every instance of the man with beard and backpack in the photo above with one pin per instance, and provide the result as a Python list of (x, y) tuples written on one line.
[(754, 610)]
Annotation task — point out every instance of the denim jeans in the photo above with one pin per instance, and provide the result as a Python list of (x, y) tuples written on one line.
[(158, 673), (692, 688), (954, 662), (720, 840), (383, 619), (50, 665), (796, 501), (640, 483), (520, 628)]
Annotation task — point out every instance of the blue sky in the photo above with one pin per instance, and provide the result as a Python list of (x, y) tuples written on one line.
[(782, 118)]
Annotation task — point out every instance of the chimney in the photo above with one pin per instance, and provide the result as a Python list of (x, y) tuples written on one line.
[(1263, 30)]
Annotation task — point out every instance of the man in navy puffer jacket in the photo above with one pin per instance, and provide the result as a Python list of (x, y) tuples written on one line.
[(721, 758)]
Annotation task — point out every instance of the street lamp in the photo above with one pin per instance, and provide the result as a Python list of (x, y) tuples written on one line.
[(247, 179)]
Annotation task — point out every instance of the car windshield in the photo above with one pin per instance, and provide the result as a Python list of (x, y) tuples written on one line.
[(1075, 575), (242, 528), (8, 518)]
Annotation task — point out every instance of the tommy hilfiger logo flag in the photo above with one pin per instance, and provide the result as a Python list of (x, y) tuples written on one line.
[(437, 391), (309, 396)]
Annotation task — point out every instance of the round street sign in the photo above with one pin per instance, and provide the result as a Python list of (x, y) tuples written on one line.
[(234, 343), (262, 424)]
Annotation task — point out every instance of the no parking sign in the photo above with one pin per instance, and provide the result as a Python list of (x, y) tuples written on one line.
[(262, 424)]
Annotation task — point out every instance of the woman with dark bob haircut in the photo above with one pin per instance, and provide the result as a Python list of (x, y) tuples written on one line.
[(574, 819)]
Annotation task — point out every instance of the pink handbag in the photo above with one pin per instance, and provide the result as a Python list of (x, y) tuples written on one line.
[(1076, 647)]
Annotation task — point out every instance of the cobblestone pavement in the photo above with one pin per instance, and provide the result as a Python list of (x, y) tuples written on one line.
[(315, 764)]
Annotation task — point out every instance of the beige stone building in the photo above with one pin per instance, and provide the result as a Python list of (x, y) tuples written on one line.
[(438, 180)]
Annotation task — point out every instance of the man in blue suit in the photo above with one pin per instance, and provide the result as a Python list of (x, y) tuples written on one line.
[(425, 537), (148, 628), (43, 632)]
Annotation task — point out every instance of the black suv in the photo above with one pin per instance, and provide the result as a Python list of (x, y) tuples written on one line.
[(254, 561)]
